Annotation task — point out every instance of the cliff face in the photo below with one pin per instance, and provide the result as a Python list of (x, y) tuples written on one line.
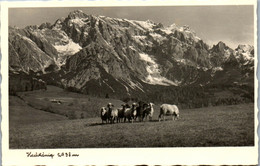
[(99, 55)]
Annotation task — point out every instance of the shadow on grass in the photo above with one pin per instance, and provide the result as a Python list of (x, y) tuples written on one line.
[(148, 121), (96, 124), (156, 120), (101, 124), (136, 122)]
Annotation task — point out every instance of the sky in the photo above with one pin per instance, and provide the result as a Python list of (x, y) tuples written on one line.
[(231, 24)]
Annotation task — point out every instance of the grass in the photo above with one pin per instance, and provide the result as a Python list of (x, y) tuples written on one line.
[(73, 105), (204, 127), (22, 114)]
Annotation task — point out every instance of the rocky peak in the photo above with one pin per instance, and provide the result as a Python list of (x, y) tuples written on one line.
[(172, 27), (77, 14), (111, 52), (185, 28), (244, 48), (245, 53), (220, 47), (45, 25), (220, 53), (58, 23), (32, 27), (189, 34), (159, 25), (150, 21)]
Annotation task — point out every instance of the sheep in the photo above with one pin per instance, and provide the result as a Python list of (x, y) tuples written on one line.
[(148, 111), (120, 114), (134, 111), (140, 110), (130, 113), (112, 113), (127, 112), (104, 115), (167, 109)]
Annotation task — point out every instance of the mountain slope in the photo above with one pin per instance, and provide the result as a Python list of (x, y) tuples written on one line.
[(100, 55)]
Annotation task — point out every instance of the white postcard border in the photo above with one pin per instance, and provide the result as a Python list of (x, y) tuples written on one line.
[(128, 156)]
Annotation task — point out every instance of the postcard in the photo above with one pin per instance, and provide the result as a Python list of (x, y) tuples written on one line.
[(129, 83)]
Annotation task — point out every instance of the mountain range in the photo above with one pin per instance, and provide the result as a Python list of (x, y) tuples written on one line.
[(103, 56)]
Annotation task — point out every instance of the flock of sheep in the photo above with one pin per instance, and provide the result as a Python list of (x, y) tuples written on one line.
[(139, 111)]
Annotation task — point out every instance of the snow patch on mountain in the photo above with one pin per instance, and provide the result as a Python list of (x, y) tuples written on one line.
[(159, 80), (248, 56), (181, 60), (189, 33), (78, 21), (167, 31), (203, 68), (170, 29), (108, 85), (141, 40), (70, 48), (157, 36), (214, 70), (245, 47), (132, 47), (217, 69), (154, 74), (148, 25), (146, 58), (65, 50), (139, 37), (133, 85), (245, 52), (127, 90)]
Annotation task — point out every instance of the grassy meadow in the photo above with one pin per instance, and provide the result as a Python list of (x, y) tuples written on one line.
[(73, 105), (31, 126)]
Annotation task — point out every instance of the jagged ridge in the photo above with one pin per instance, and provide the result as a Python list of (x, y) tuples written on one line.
[(121, 55)]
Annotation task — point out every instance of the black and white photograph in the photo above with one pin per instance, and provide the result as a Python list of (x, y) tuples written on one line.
[(130, 77)]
